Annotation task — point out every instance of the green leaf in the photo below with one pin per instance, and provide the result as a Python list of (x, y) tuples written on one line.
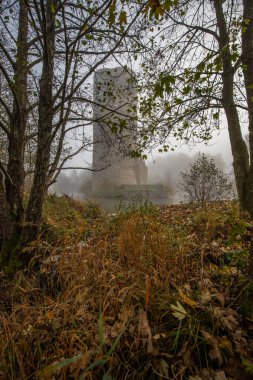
[(247, 21), (168, 4), (114, 129), (112, 13), (219, 66), (201, 66), (178, 101), (52, 7), (186, 90), (170, 78), (158, 90), (122, 124)]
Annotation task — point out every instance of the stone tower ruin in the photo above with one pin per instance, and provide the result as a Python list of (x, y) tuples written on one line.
[(115, 131), (116, 175)]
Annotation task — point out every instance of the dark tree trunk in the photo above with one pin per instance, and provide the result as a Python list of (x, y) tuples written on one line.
[(39, 187), (242, 166), (4, 212), (12, 193), (14, 189), (247, 61)]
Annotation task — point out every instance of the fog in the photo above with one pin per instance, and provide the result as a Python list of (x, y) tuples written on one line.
[(164, 169), (75, 183)]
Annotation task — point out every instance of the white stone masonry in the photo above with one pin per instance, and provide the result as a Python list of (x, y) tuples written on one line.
[(114, 131)]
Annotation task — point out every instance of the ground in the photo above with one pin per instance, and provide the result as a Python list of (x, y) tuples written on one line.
[(146, 293)]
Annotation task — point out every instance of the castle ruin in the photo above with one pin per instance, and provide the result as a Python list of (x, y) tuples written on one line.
[(116, 175)]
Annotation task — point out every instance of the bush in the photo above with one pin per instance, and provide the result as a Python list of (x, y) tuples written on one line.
[(203, 181)]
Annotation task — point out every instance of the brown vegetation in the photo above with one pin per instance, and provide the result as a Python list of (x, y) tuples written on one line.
[(149, 293)]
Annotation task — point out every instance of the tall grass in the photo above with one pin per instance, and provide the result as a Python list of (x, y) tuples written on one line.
[(103, 303)]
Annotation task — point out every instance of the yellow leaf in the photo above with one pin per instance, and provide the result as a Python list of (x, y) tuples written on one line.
[(188, 301), (123, 18)]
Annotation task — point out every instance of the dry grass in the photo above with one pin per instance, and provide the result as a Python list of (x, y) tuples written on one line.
[(141, 295)]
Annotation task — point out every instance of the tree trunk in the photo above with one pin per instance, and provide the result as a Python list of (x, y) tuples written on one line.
[(14, 189), (4, 212), (12, 193), (39, 187), (247, 61), (238, 145)]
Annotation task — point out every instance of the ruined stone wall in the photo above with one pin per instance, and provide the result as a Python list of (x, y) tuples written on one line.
[(114, 130)]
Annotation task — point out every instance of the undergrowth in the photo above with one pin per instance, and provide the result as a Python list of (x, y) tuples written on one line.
[(149, 293)]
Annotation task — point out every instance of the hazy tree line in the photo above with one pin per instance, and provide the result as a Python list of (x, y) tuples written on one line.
[(197, 63)]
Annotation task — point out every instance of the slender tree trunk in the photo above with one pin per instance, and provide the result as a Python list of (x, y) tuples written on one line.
[(39, 187), (12, 204), (247, 61), (4, 214), (238, 145), (14, 190)]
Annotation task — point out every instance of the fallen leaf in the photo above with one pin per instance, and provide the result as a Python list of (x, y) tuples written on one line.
[(187, 300), (144, 331), (157, 336), (164, 368), (220, 375), (179, 312)]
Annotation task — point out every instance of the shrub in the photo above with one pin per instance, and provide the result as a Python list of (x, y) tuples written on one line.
[(203, 181)]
